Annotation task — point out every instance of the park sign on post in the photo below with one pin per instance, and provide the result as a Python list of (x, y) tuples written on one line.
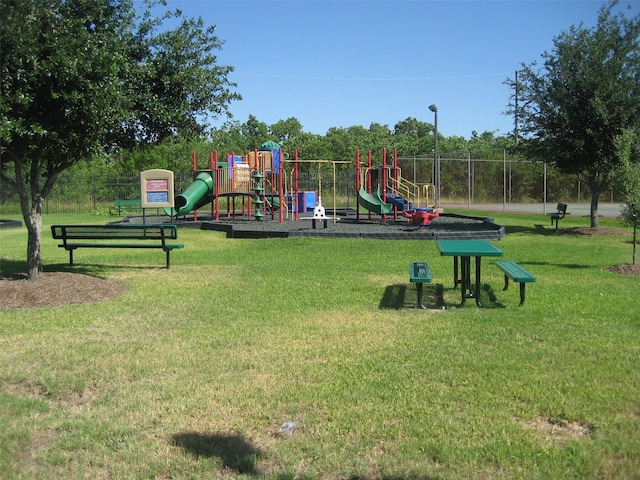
[(156, 189)]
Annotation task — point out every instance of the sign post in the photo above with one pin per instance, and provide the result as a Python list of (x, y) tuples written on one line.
[(156, 190)]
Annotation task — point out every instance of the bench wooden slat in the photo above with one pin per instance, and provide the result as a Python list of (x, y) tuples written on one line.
[(69, 234), (516, 273), (419, 273)]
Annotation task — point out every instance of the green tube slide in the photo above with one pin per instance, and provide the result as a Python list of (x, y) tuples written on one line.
[(374, 202), (197, 194)]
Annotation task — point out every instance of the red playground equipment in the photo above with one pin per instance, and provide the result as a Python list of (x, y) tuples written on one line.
[(264, 187)]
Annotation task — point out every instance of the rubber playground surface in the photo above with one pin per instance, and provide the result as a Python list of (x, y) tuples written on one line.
[(344, 224)]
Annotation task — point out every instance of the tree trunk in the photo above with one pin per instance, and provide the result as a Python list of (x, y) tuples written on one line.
[(635, 239), (33, 221), (595, 195)]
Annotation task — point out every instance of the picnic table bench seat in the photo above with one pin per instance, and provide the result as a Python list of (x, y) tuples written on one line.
[(116, 236), (419, 273), (517, 274)]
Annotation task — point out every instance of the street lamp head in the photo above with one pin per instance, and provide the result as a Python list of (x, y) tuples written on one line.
[(433, 108)]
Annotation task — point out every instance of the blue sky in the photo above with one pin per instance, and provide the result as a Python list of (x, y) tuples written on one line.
[(344, 63)]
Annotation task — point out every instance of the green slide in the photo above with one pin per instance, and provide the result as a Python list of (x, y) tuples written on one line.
[(199, 193), (374, 203)]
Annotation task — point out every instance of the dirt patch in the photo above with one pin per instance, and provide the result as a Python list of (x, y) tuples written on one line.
[(55, 289), (625, 269), (559, 430)]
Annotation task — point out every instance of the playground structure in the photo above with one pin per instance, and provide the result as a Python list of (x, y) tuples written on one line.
[(383, 190), (267, 186)]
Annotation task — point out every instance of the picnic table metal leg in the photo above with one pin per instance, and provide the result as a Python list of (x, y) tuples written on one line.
[(465, 264), (477, 289), (455, 272)]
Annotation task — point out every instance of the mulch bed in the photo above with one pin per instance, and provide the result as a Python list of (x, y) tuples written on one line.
[(53, 289)]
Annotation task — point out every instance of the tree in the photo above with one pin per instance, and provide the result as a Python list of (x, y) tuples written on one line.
[(81, 77), (254, 132), (628, 181), (283, 130), (576, 107)]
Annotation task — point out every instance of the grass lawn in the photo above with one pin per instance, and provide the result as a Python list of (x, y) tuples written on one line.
[(190, 373)]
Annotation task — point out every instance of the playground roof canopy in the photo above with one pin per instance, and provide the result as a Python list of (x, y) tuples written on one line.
[(270, 145)]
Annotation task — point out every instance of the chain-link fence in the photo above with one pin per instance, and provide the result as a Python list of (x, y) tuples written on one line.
[(465, 178)]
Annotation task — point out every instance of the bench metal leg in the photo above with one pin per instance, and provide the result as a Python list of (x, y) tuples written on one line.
[(168, 259), (522, 286), (71, 256), (420, 304)]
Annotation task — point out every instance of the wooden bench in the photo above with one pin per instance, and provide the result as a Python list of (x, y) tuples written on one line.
[(516, 273), (147, 236), (419, 273), (561, 211), (126, 206)]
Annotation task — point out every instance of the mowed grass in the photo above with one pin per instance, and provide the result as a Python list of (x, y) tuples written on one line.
[(191, 372)]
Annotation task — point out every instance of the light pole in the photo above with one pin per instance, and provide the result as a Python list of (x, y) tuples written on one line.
[(436, 158)]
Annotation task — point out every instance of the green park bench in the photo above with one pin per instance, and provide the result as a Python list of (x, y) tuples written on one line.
[(561, 211), (116, 236), (419, 273), (120, 206), (517, 274)]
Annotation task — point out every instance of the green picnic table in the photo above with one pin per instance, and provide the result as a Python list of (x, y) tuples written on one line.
[(464, 250)]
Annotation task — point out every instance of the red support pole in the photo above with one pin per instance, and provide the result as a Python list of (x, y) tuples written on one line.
[(280, 188), (369, 176), (211, 168), (395, 181), (358, 184), (296, 186), (195, 167), (384, 180)]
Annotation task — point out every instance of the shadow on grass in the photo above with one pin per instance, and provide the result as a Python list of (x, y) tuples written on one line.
[(537, 229), (570, 266), (395, 297), (10, 268), (234, 451)]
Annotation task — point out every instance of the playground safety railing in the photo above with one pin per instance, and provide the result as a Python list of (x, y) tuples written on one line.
[(418, 195)]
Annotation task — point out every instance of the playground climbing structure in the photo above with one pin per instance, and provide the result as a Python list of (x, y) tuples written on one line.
[(382, 189)]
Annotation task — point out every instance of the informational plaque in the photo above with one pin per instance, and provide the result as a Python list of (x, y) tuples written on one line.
[(156, 188)]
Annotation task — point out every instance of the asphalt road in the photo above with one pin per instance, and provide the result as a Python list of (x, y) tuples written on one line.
[(574, 209)]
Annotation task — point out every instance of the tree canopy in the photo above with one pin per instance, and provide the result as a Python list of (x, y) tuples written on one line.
[(581, 101), (81, 77)]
